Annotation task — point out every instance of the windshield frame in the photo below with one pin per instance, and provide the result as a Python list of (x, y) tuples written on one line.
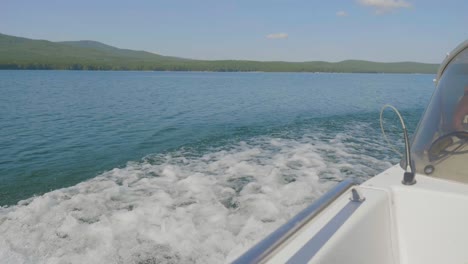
[(419, 151), (448, 59)]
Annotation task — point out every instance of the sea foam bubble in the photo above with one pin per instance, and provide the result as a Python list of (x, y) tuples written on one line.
[(184, 207)]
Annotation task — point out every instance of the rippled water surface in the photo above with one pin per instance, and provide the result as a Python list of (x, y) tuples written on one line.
[(166, 167)]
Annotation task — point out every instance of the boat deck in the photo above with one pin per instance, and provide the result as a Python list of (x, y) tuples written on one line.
[(421, 223)]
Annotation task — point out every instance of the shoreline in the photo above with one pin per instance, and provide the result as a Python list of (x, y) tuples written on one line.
[(198, 71)]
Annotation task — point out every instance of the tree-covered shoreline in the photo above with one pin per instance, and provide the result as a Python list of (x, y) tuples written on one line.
[(27, 54)]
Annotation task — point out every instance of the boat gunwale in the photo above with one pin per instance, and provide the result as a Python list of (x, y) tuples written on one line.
[(265, 247)]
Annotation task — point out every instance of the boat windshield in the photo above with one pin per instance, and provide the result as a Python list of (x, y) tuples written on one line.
[(440, 144)]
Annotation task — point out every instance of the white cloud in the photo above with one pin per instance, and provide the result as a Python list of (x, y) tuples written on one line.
[(341, 13), (384, 6), (277, 36)]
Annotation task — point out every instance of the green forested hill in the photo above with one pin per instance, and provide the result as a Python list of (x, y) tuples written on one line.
[(113, 51), (23, 53)]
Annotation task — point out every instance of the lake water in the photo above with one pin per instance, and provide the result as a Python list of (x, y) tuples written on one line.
[(180, 167)]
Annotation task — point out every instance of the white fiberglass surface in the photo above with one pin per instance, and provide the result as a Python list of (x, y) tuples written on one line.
[(431, 226), (366, 234)]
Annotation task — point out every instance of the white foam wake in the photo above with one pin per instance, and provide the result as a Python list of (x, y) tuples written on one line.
[(180, 208)]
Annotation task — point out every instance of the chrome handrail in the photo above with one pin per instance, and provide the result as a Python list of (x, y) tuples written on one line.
[(264, 248)]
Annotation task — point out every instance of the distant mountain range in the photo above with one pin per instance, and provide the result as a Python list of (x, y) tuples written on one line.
[(22, 53)]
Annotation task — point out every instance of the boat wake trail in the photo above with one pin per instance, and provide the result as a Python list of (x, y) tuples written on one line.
[(186, 206)]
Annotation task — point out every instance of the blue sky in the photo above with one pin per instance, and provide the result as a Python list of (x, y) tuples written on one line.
[(294, 30)]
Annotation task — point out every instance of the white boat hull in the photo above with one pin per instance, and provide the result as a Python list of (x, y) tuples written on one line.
[(421, 223)]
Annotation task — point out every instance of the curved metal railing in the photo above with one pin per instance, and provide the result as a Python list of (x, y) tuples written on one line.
[(264, 248)]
